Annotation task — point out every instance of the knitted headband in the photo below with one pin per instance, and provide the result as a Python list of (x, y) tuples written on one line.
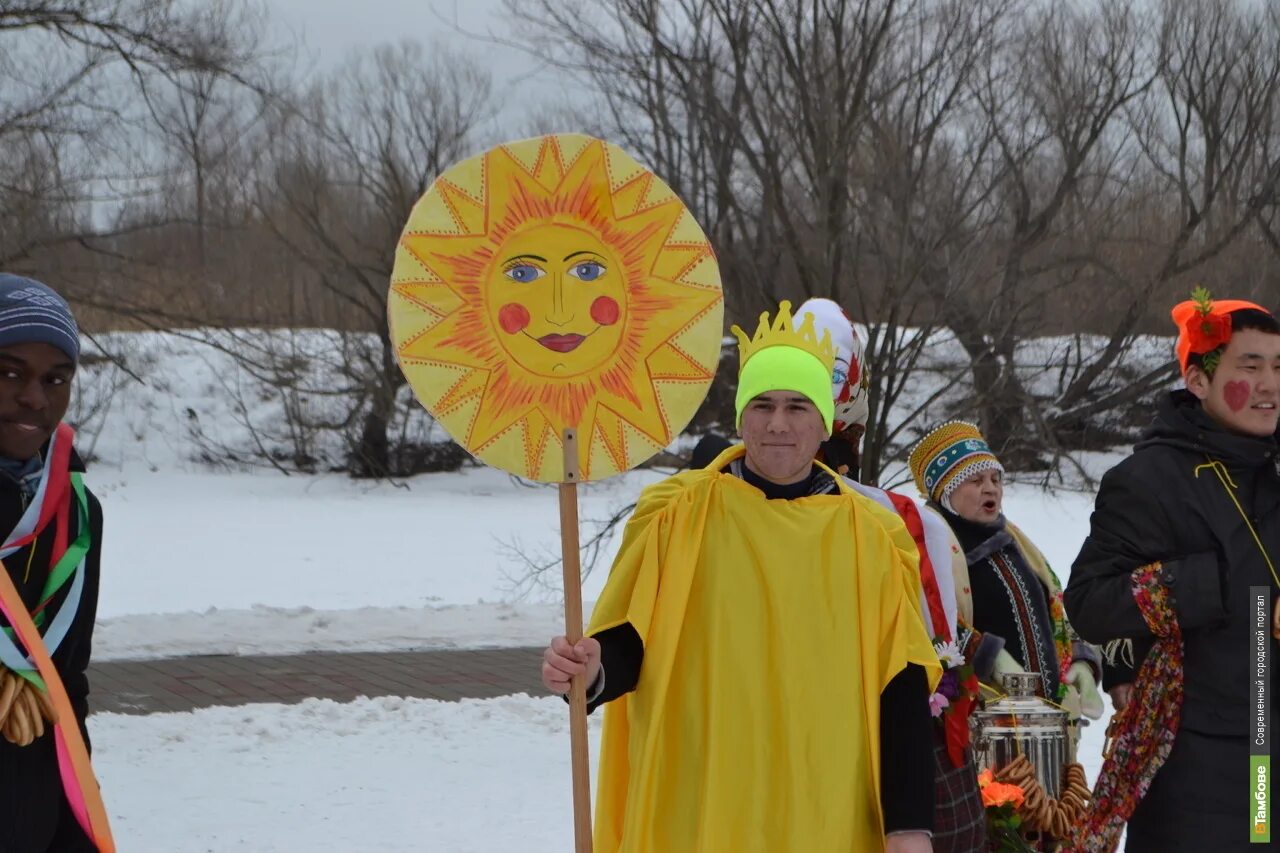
[(781, 357)]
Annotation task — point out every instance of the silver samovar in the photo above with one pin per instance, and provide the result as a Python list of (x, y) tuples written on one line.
[(1021, 723)]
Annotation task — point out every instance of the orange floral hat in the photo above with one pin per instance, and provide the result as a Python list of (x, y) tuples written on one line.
[(1204, 324)]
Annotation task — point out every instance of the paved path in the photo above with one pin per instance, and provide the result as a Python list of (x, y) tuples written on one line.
[(181, 684)]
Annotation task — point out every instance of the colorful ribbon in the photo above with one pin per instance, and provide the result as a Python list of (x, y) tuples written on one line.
[(910, 515), (51, 503), (53, 498), (1144, 732)]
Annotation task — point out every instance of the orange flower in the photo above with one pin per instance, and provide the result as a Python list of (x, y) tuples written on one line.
[(1208, 332), (995, 794)]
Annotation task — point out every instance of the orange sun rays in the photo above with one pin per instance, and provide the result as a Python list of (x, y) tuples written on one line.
[(638, 398)]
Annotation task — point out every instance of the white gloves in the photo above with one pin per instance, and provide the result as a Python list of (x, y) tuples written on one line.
[(1082, 697), (1082, 692), (1005, 663)]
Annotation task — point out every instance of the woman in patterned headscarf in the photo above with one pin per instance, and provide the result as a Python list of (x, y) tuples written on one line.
[(1010, 590)]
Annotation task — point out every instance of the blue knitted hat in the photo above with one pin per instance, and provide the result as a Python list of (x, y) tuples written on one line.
[(31, 312)]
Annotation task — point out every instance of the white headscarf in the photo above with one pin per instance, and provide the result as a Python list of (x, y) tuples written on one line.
[(850, 379)]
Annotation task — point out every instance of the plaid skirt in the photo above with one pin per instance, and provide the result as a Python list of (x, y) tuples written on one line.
[(959, 820)]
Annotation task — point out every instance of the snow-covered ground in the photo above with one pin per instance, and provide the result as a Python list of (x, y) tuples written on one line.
[(375, 774), (201, 563), (480, 776), (389, 774)]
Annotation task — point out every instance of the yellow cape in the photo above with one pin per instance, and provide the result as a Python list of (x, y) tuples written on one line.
[(769, 629)]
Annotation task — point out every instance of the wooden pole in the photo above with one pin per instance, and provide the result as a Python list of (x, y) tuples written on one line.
[(573, 632)]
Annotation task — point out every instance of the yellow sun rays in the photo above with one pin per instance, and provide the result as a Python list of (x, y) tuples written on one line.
[(630, 405)]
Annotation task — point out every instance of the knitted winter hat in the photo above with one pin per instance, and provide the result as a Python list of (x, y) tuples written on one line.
[(31, 312), (850, 379), (783, 358), (1204, 324), (949, 455)]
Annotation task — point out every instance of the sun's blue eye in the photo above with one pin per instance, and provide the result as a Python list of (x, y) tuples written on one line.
[(587, 270), (524, 273), (838, 376)]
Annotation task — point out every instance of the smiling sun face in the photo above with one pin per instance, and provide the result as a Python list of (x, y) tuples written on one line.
[(560, 313), (555, 283)]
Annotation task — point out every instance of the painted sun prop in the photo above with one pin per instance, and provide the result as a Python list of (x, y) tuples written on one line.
[(555, 283)]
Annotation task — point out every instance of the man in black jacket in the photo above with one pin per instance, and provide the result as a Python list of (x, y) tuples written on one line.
[(1182, 530), (39, 351)]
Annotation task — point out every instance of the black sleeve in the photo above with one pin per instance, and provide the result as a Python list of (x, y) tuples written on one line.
[(906, 752), (707, 449), (1121, 660), (621, 653), (1128, 530), (980, 649), (840, 454)]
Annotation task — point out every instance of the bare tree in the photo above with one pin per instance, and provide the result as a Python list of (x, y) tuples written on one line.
[(995, 170), (919, 190), (1049, 97), (205, 124), (66, 102), (346, 165), (964, 177), (1209, 137)]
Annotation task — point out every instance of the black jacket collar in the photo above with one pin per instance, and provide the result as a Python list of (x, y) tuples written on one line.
[(979, 541)]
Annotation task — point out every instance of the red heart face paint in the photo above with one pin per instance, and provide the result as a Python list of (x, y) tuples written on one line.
[(1236, 395), (1242, 394), (605, 311), (513, 318)]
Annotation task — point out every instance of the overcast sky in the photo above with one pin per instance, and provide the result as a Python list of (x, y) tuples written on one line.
[(329, 29)]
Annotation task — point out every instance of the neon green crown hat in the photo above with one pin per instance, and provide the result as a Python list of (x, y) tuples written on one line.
[(780, 357)]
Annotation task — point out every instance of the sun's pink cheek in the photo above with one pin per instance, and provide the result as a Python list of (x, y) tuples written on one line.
[(1236, 394), (513, 318), (605, 311)]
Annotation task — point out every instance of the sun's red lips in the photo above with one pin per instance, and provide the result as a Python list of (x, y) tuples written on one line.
[(562, 343)]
